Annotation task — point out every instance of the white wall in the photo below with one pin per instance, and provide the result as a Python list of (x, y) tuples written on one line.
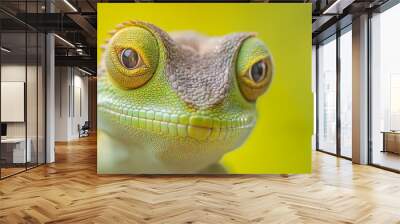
[(13, 101), (16, 73), (79, 103), (13, 72), (61, 103), (33, 126), (71, 102)]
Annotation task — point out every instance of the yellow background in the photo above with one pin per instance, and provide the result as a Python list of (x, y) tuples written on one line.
[(281, 140)]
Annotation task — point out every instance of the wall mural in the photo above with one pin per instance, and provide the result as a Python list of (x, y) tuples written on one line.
[(191, 95)]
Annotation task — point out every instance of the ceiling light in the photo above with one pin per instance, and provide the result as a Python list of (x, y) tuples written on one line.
[(65, 41), (70, 5), (5, 50), (329, 9), (84, 71), (337, 7)]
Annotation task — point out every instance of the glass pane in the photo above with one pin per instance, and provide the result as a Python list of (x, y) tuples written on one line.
[(22, 88), (41, 98), (13, 86), (346, 94), (386, 89), (327, 96), (32, 87), (31, 98)]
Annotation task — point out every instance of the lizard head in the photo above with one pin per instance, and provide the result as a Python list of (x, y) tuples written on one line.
[(185, 98)]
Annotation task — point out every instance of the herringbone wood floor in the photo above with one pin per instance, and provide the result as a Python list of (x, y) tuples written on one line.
[(69, 191)]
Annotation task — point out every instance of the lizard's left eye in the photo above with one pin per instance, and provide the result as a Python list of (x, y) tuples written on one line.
[(254, 68), (257, 71), (130, 58)]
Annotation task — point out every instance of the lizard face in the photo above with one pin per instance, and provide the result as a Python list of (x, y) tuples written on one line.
[(183, 99)]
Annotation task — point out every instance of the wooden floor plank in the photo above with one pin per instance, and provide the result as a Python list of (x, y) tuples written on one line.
[(70, 191)]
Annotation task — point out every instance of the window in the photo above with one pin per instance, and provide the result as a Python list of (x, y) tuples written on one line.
[(346, 93), (327, 96), (385, 89), (22, 77), (394, 102), (334, 106)]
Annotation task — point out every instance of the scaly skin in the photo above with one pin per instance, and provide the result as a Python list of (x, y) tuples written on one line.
[(190, 100)]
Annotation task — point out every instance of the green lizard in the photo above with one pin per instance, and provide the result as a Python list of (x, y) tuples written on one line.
[(176, 102)]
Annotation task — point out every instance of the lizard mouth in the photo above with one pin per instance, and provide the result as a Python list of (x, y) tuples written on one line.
[(199, 127)]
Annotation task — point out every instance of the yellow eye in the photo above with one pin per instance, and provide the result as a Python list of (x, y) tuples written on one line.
[(254, 68), (132, 57)]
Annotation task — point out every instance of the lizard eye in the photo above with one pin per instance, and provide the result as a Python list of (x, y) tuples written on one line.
[(254, 68), (130, 58), (257, 71)]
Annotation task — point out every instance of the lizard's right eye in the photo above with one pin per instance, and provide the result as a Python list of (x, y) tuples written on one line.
[(132, 57)]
